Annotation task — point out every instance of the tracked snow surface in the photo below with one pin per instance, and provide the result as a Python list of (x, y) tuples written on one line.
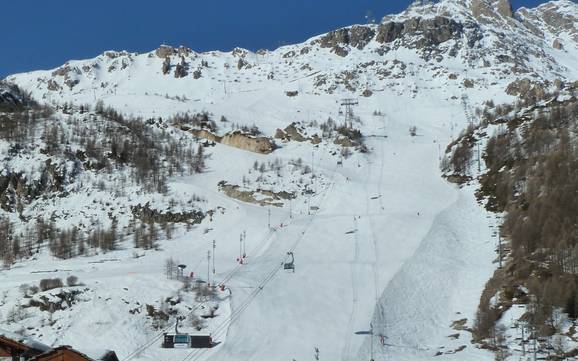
[(383, 244)]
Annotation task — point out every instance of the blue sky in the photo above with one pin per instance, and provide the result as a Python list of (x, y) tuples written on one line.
[(40, 34)]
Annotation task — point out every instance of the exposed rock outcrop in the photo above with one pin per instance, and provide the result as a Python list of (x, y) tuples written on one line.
[(345, 142), (243, 64), (56, 300), (432, 31), (555, 16), (468, 83), (484, 10), (71, 83), (237, 139), (504, 8), (292, 132), (52, 85), (240, 140), (367, 93), (524, 88), (269, 198), (184, 51), (11, 95), (146, 214), (164, 50), (16, 190), (356, 36)]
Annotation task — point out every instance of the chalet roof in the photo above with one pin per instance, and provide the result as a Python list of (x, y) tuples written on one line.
[(95, 355), (99, 354), (43, 352), (24, 342)]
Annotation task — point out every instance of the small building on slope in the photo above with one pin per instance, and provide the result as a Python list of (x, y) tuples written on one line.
[(14, 347), (67, 353)]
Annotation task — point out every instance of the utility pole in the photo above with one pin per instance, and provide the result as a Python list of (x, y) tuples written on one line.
[(208, 267), (312, 170), (535, 346), (312, 161), (290, 209), (214, 246), (269, 217), (523, 340), (479, 165), (240, 247), (499, 250), (244, 243), (371, 340)]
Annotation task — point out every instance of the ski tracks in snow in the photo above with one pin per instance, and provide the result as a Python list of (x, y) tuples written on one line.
[(357, 264)]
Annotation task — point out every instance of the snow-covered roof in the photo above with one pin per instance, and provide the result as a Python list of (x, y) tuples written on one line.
[(25, 341), (88, 354), (95, 353)]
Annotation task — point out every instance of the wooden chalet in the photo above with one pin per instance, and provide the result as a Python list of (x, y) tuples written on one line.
[(14, 347), (67, 353)]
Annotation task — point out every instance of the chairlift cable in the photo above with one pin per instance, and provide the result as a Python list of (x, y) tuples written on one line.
[(195, 354)]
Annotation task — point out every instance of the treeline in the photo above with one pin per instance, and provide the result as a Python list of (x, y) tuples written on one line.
[(117, 142), (199, 120), (73, 242), (20, 125), (457, 159), (153, 154), (532, 176), (458, 156)]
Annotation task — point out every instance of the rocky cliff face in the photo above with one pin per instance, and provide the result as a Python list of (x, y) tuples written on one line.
[(556, 19), (16, 190), (428, 40), (11, 95), (484, 10), (428, 32)]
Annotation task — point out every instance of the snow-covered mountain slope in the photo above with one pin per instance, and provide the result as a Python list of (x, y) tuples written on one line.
[(379, 237), (442, 44)]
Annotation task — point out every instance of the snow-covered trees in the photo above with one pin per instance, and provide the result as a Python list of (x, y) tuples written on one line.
[(11, 248), (110, 150), (532, 176), (71, 281), (50, 283), (181, 69), (166, 68)]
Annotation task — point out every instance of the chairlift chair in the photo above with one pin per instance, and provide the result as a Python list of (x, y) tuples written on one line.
[(290, 265)]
